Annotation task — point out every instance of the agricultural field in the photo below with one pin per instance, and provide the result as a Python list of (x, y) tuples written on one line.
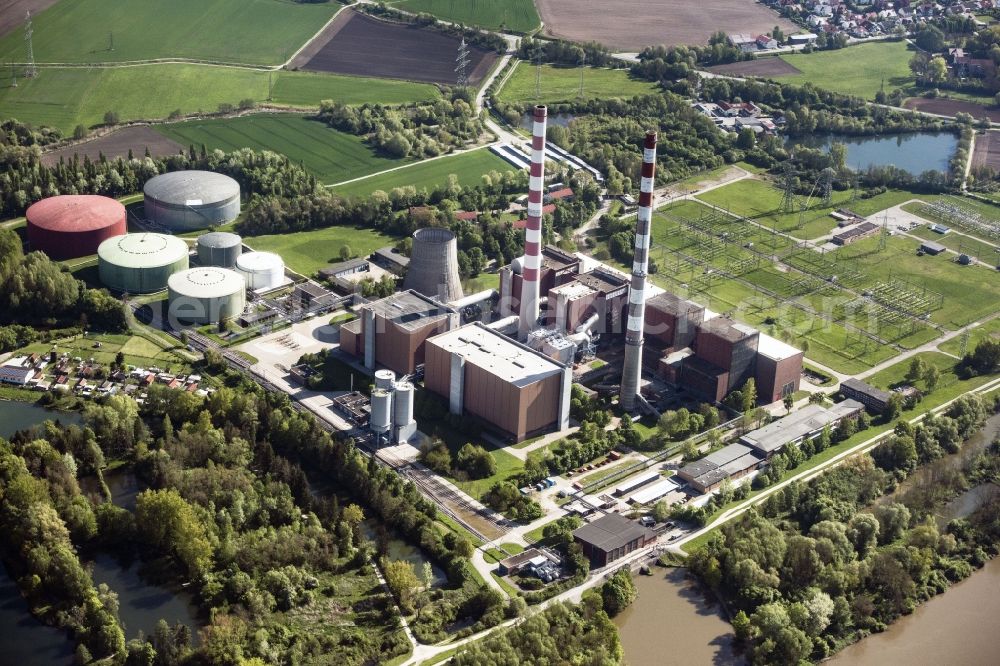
[(257, 32), (66, 97), (634, 25), (987, 150), (949, 107), (307, 252), (137, 138), (333, 156), (511, 15), (766, 68), (364, 46), (468, 167), (856, 70), (562, 84)]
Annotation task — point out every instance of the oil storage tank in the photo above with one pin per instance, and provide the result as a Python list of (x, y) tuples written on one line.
[(262, 270), (140, 263), (206, 295), (433, 269), (219, 248), (185, 200), (74, 225)]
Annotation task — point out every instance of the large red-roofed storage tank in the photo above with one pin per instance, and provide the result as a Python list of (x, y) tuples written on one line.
[(73, 225)]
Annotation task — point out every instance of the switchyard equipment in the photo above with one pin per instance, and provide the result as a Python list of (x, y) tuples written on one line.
[(140, 263), (186, 200), (74, 225), (206, 295), (637, 290), (219, 248)]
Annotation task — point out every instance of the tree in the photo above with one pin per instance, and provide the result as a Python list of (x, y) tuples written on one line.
[(789, 402), (618, 592), (916, 370), (749, 396), (80, 132), (931, 378), (930, 38), (937, 70), (476, 461), (661, 511), (345, 252), (168, 522), (402, 580), (111, 118), (893, 406)]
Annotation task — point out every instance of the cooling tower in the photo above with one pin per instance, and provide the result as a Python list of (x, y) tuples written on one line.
[(433, 269), (533, 230), (637, 290)]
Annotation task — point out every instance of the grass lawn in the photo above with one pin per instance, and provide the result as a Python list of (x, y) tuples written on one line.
[(507, 467), (985, 252), (856, 70), (481, 282), (245, 31), (307, 252), (138, 351), (64, 98), (562, 84), (469, 167), (535, 535), (330, 154), (515, 15), (988, 331), (895, 374), (607, 471), (496, 555)]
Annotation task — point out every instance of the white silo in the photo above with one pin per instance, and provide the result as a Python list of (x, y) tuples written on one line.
[(402, 411), (262, 270), (381, 419), (384, 379)]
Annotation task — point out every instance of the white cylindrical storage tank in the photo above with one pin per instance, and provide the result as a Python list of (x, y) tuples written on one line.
[(186, 200), (219, 248), (381, 419), (206, 295), (262, 270), (384, 379), (402, 408)]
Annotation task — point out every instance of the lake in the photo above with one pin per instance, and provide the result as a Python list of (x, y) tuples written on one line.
[(914, 152), (672, 621), (16, 416), (23, 639)]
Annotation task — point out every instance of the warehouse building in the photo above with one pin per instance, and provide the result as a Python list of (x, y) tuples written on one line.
[(874, 399), (140, 263), (505, 383), (186, 200), (392, 332), (779, 369), (70, 226), (610, 538), (797, 427), (730, 462), (206, 295)]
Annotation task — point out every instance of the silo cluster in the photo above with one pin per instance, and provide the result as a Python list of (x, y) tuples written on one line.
[(392, 407), (206, 295), (187, 200), (74, 225), (262, 270), (140, 263)]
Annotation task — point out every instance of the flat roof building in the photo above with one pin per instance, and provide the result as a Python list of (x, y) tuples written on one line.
[(391, 260), (806, 423), (391, 332), (729, 346), (503, 382), (931, 247), (611, 537), (672, 320), (779, 369), (730, 462), (873, 398), (558, 268)]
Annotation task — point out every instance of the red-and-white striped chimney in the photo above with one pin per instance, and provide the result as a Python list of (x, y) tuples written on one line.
[(533, 232), (637, 290)]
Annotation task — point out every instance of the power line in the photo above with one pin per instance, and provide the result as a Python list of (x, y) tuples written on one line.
[(31, 71), (461, 69)]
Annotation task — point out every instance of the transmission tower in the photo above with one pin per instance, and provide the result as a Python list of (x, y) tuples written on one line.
[(111, 41), (788, 185), (583, 64), (31, 71), (826, 185), (964, 348), (13, 75), (538, 72), (462, 64), (883, 237)]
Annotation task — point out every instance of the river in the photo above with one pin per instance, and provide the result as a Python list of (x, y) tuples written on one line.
[(673, 622), (914, 151), (16, 416)]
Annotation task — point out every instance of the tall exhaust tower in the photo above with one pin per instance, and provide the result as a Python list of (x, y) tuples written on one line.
[(637, 290), (433, 267), (533, 232)]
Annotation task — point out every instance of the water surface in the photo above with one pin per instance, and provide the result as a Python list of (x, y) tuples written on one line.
[(915, 152), (16, 416), (24, 640)]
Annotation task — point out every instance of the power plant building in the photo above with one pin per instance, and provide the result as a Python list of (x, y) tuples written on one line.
[(558, 268), (728, 346), (392, 332), (186, 200), (433, 267), (219, 248), (262, 270), (672, 322), (74, 225), (505, 383), (140, 263), (206, 295), (779, 369)]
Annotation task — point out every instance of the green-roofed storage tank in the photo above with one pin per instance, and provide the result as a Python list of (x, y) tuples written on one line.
[(140, 263)]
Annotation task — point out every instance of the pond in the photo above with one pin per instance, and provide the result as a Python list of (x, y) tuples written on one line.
[(914, 152), (402, 550), (16, 416), (672, 621), (23, 639)]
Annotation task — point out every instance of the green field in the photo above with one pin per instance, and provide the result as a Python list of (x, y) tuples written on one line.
[(562, 84), (988, 331), (307, 252), (65, 97), (985, 252), (896, 374), (856, 70), (260, 32), (331, 155), (138, 351), (469, 167), (513, 15)]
